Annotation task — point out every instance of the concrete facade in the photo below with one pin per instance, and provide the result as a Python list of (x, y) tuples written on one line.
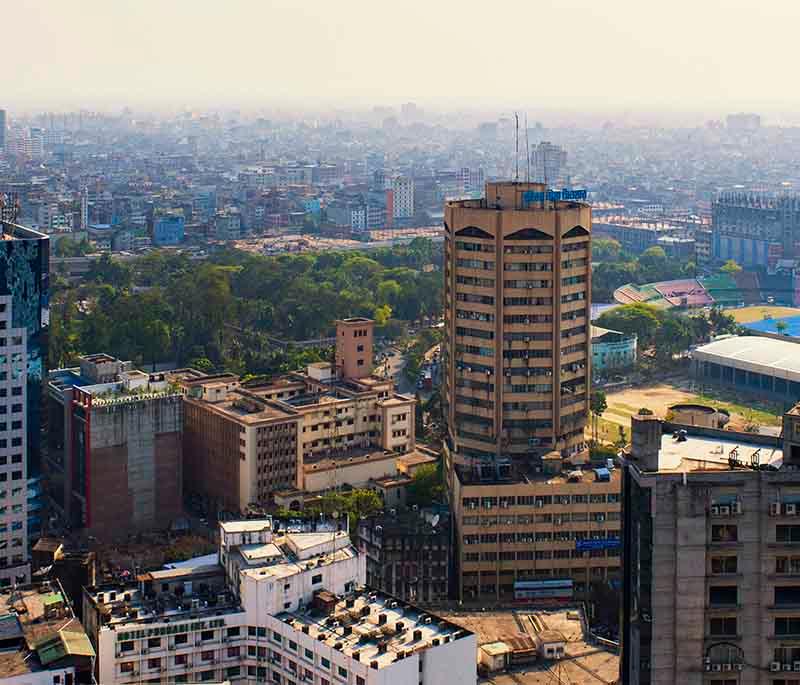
[(711, 575), (115, 463), (517, 366), (294, 611)]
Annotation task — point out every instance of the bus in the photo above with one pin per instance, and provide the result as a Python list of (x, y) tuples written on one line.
[(532, 590)]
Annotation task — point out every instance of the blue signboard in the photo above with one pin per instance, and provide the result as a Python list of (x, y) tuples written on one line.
[(602, 543), (553, 195)]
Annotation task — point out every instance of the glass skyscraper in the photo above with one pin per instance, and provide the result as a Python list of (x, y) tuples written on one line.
[(24, 317)]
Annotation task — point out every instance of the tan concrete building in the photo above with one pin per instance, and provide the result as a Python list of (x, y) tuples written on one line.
[(516, 382), (711, 556), (246, 442)]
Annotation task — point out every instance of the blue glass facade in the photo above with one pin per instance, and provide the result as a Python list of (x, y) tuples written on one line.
[(24, 277), (168, 230)]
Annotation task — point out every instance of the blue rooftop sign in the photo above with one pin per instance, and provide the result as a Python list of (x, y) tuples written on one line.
[(553, 195), (602, 543)]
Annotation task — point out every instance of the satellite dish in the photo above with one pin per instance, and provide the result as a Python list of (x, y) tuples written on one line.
[(435, 521)]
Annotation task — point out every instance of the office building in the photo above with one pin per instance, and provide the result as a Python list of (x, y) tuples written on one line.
[(24, 274), (43, 641), (756, 230), (402, 197), (3, 128), (243, 444), (282, 609), (408, 553), (168, 228), (711, 580), (516, 385), (114, 463), (548, 164)]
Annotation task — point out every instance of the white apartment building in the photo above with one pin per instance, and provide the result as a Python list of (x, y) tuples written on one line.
[(299, 616), (403, 197)]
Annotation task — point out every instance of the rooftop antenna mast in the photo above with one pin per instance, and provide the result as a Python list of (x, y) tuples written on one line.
[(527, 151), (516, 147)]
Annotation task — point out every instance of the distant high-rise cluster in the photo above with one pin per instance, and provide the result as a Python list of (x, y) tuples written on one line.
[(548, 164)]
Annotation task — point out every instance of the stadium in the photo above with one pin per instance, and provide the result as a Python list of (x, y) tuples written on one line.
[(723, 290)]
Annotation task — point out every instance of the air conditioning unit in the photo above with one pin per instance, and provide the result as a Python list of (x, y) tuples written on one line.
[(775, 509), (791, 509), (737, 507), (725, 511), (796, 666), (145, 650), (775, 666), (716, 667), (715, 510), (727, 667), (740, 667), (787, 667)]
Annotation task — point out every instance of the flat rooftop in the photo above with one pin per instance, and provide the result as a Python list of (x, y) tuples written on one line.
[(701, 453), (254, 526), (37, 616), (778, 358), (585, 662), (355, 626)]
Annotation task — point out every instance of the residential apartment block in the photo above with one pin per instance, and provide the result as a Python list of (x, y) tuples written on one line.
[(711, 584), (279, 609)]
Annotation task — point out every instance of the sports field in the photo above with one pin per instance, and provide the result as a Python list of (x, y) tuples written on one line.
[(761, 312), (622, 404)]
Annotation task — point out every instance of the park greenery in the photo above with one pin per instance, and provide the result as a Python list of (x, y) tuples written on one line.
[(666, 333), (225, 312), (614, 267)]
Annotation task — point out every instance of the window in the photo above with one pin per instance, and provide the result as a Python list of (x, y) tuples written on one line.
[(722, 594), (180, 659), (360, 680), (154, 663), (207, 635), (721, 565), (309, 655), (293, 645), (233, 651), (342, 672), (181, 639), (787, 625), (207, 655), (723, 626), (126, 646), (276, 637), (126, 667), (726, 533), (233, 632), (787, 595), (317, 579), (787, 533), (327, 664), (154, 642)]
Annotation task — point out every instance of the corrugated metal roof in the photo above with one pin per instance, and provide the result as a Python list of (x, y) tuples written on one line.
[(754, 353)]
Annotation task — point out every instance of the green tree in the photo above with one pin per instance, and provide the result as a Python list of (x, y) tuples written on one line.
[(731, 267), (427, 485), (638, 319), (605, 249), (598, 405)]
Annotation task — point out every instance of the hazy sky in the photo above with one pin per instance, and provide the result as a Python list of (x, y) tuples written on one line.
[(711, 55)]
